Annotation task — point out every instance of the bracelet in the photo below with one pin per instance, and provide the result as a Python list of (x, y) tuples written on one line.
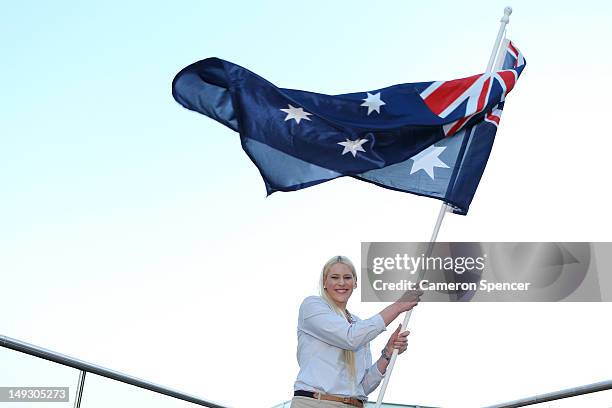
[(384, 354)]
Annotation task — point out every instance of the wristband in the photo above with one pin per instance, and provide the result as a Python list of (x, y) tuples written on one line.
[(384, 354)]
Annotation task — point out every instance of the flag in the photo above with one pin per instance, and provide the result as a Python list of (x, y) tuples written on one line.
[(427, 138)]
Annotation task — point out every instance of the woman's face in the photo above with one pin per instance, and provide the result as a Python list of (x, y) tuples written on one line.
[(339, 283)]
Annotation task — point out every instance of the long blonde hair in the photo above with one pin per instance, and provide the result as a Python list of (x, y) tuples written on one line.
[(349, 356)]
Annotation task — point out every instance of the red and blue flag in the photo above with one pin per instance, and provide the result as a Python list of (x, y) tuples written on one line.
[(426, 138)]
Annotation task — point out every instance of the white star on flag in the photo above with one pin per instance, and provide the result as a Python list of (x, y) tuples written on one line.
[(353, 146), (427, 159), (373, 102), (296, 113)]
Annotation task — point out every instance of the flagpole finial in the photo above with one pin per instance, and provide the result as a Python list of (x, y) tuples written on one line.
[(506, 17)]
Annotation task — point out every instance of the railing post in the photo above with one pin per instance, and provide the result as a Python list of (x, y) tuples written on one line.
[(79, 391)]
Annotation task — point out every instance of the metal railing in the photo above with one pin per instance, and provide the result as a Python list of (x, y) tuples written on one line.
[(552, 396), (85, 367)]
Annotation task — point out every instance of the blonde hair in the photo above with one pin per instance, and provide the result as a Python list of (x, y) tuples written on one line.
[(349, 356)]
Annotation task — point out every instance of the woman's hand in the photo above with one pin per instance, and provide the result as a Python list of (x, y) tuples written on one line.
[(398, 340), (408, 300), (405, 303)]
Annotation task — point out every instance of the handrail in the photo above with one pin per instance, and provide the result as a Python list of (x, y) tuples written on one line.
[(551, 396), (40, 352)]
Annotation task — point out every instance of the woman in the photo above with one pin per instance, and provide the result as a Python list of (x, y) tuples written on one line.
[(333, 351)]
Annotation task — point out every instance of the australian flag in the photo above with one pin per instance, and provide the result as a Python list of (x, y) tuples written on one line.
[(428, 138)]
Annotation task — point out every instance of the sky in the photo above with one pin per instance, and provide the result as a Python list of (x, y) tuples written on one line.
[(137, 235)]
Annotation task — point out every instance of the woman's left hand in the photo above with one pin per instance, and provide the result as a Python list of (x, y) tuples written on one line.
[(398, 340)]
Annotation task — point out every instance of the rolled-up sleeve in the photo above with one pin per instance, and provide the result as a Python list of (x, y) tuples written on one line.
[(372, 377), (319, 320)]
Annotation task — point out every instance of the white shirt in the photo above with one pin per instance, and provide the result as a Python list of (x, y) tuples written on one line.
[(322, 335)]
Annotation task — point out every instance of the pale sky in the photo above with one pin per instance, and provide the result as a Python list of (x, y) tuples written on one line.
[(136, 235)]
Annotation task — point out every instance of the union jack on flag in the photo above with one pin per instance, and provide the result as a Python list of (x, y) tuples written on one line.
[(467, 97)]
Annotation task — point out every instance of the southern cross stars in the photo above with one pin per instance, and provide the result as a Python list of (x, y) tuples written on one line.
[(353, 146), (427, 159), (296, 113), (373, 102)]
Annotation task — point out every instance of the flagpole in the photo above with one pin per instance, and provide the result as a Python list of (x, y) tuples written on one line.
[(443, 209)]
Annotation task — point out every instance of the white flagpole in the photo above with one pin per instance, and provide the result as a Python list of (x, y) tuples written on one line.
[(503, 22)]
